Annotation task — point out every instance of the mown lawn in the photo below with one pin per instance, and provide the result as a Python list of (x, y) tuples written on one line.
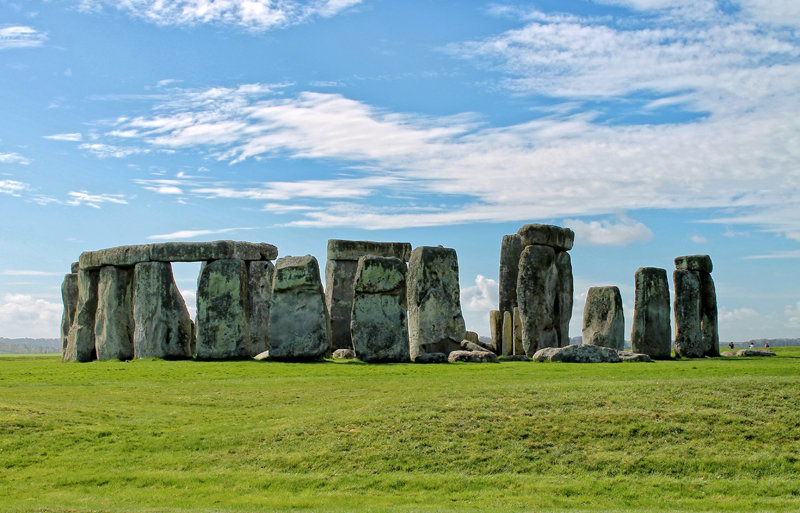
[(151, 435)]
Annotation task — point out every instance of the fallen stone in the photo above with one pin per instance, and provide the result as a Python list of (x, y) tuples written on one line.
[(471, 336), (69, 300), (651, 333), (701, 263), (80, 341), (379, 324), (689, 337), (516, 358), (536, 295), (603, 320), (223, 311), (496, 330), (121, 256), (207, 251), (262, 356), (486, 345), (472, 357), (753, 352), (113, 333), (431, 358), (259, 278), (510, 251), (575, 353), (561, 239), (299, 323), (564, 292), (630, 356), (355, 249), (344, 354), (434, 301), (468, 345), (162, 325)]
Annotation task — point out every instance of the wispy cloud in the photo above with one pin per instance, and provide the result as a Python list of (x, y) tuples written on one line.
[(72, 137), (775, 255), (20, 36), (28, 273), (13, 158), (110, 151), (26, 315), (698, 239), (13, 187), (192, 234), (609, 232), (84, 198)]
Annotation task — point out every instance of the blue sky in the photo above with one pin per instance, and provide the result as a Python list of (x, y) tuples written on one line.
[(652, 128)]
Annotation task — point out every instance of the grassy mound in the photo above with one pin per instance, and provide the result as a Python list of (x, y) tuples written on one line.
[(151, 435)]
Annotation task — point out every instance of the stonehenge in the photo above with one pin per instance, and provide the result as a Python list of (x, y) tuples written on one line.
[(696, 331), (603, 321), (651, 332)]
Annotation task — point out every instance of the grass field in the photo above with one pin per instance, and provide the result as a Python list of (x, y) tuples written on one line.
[(150, 435)]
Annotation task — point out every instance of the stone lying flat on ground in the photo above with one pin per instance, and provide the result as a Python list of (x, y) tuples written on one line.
[(472, 357), (121, 256), (556, 237), (651, 332), (344, 354), (575, 353), (113, 337), (223, 311), (603, 320), (510, 250), (216, 250), (431, 358), (468, 345), (630, 356), (700, 263), (354, 249), (516, 358), (749, 352), (80, 342)]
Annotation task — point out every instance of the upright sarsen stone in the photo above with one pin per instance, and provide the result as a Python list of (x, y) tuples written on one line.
[(113, 332), (162, 325), (651, 333), (496, 330), (299, 323), (564, 293), (259, 276), (508, 334), (69, 299), (379, 324), (436, 324), (80, 342), (223, 313), (708, 315), (510, 251), (688, 336), (603, 320)]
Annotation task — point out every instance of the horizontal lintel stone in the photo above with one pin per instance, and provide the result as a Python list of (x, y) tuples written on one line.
[(700, 263), (547, 235), (120, 256), (354, 249)]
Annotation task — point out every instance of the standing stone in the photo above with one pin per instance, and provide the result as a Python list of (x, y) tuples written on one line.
[(603, 321), (113, 328), (651, 325), (436, 324), (510, 250), (563, 307), (688, 337), (299, 322), (259, 275), (162, 326), (379, 324), (69, 298), (223, 314), (80, 342), (518, 347), (496, 330), (708, 314), (508, 334), (536, 296)]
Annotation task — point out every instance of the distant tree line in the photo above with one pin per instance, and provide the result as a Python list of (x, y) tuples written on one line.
[(30, 345)]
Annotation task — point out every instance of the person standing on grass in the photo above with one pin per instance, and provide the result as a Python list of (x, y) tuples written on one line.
[(730, 344), (752, 345)]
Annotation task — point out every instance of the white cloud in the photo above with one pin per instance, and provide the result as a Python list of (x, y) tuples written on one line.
[(254, 15), (698, 239), (792, 313), (18, 36), (13, 187), (25, 315), (775, 255), (785, 12), (28, 273), (737, 314), (72, 137), (191, 234), (110, 151), (609, 233), (165, 189), (13, 158), (476, 303), (78, 198)]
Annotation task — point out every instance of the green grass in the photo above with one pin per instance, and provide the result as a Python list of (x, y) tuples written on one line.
[(151, 435)]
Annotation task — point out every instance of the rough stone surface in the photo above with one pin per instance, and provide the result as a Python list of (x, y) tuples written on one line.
[(299, 323), (468, 345), (708, 315), (74, 267), (486, 345), (355, 249), (749, 352), (162, 326), (472, 357), (536, 296), (69, 299), (496, 330), (259, 277), (434, 301), (431, 358), (121, 256), (223, 311), (510, 251), (630, 356), (80, 342), (344, 354), (518, 347), (603, 320), (564, 292), (574, 353), (379, 323), (508, 333), (651, 332), (113, 332), (340, 276), (516, 358), (207, 251), (700, 263), (561, 239), (688, 337), (471, 336)]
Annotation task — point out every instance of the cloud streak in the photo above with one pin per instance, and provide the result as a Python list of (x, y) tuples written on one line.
[(20, 36), (192, 234)]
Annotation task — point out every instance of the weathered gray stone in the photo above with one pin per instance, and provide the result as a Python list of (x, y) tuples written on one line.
[(340, 276), (207, 251), (486, 345), (516, 358), (536, 295), (630, 356), (688, 337), (518, 347), (74, 267), (223, 311), (651, 332), (431, 358), (379, 322), (121, 256), (259, 277), (113, 328), (575, 353), (496, 330), (472, 357), (564, 291), (508, 333), (708, 315), (603, 320), (80, 341), (561, 239), (468, 345), (355, 249), (510, 251), (752, 352), (162, 326), (69, 299), (434, 301), (471, 336), (700, 263), (299, 323), (344, 354)]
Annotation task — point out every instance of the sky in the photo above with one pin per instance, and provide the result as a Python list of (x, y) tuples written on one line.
[(652, 128)]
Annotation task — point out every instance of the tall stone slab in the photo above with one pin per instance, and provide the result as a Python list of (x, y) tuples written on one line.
[(651, 334), (259, 276), (69, 299), (603, 320), (564, 293), (436, 324), (113, 328), (496, 330), (537, 289), (518, 347), (508, 334), (223, 311), (162, 325), (510, 251), (708, 315), (299, 322), (379, 321), (80, 342), (688, 336)]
